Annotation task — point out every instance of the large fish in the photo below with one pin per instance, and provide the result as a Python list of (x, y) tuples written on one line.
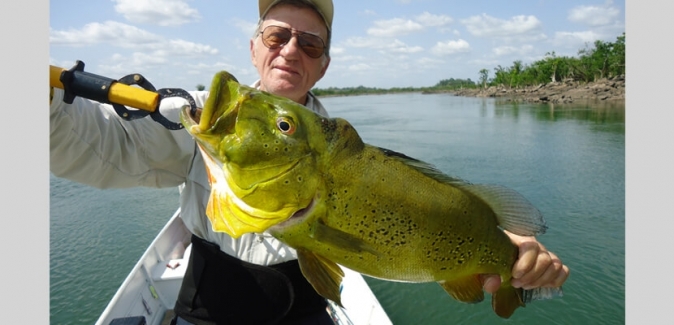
[(311, 182)]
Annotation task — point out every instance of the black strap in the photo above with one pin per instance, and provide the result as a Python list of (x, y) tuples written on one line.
[(221, 289)]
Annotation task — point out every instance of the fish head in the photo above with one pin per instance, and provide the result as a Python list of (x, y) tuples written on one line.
[(263, 155)]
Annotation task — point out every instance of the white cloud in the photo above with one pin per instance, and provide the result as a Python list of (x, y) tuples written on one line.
[(517, 28), (426, 62), (185, 48), (386, 44), (246, 27), (336, 50), (398, 46), (517, 50), (594, 15), (347, 58), (112, 32), (575, 39), (428, 19), (451, 47), (360, 42), (359, 67), (394, 27), (157, 12), (128, 37)]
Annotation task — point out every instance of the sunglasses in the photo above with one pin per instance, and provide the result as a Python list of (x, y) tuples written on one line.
[(274, 37)]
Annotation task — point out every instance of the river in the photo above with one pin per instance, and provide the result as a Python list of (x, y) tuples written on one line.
[(568, 160)]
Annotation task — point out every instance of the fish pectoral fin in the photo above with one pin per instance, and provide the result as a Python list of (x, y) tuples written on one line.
[(506, 300), (338, 238), (215, 211), (323, 274), (467, 289)]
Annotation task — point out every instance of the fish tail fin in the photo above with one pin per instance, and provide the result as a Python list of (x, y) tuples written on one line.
[(506, 300), (541, 294)]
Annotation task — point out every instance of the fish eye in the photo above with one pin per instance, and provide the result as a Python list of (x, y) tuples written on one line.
[(285, 125)]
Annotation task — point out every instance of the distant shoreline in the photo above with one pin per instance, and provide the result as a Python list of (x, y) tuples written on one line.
[(611, 89)]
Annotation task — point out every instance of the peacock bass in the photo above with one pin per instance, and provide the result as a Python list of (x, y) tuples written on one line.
[(311, 182)]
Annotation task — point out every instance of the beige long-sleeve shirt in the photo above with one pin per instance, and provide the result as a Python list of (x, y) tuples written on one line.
[(92, 145)]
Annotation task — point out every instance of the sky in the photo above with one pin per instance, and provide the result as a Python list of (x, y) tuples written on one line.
[(376, 43)]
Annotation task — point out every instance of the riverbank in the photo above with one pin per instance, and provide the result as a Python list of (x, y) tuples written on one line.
[(611, 89)]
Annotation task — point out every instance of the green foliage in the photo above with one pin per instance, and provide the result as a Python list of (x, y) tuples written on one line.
[(452, 83), (603, 60), (201, 87)]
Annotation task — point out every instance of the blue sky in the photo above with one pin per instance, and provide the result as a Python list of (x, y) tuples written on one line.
[(377, 43)]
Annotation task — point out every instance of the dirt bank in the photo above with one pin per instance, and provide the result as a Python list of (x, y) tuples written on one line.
[(612, 89)]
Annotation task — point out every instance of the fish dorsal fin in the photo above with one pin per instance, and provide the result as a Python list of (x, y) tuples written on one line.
[(323, 274), (514, 212), (422, 167)]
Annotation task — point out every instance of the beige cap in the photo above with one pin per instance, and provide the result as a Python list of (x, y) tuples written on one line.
[(324, 7)]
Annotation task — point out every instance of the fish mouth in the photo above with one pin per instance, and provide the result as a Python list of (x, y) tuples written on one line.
[(220, 111)]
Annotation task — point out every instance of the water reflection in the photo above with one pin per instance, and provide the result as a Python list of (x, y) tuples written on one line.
[(598, 112)]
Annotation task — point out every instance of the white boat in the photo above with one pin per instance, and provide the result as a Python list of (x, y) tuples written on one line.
[(149, 292)]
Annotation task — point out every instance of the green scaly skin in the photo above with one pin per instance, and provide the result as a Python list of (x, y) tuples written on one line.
[(340, 201)]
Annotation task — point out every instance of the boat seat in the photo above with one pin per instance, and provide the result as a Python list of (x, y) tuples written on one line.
[(173, 268)]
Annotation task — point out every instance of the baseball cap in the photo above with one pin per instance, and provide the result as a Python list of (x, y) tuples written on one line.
[(324, 7)]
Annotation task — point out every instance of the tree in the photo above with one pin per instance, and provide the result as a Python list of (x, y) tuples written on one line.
[(501, 75), (553, 63), (515, 72), (617, 59), (484, 75), (201, 87)]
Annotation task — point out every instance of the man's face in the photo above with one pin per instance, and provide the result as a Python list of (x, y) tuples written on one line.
[(287, 71)]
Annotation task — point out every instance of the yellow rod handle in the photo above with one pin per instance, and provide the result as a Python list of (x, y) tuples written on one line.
[(119, 93)]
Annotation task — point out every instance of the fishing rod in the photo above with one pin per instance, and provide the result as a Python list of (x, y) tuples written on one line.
[(119, 93)]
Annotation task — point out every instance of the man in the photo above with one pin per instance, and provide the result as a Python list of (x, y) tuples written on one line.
[(254, 279)]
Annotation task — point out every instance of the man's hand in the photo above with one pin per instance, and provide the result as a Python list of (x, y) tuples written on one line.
[(536, 267)]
